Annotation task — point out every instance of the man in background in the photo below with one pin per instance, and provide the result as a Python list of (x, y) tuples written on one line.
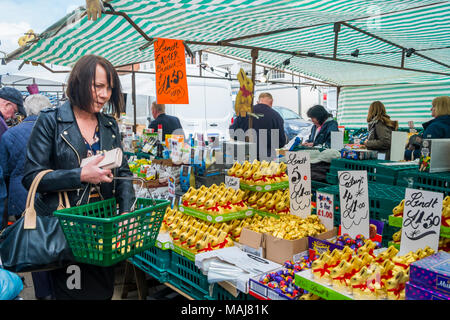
[(170, 124), (11, 102), (13, 149), (268, 123)]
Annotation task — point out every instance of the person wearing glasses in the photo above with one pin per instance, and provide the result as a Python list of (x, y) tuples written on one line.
[(11, 102)]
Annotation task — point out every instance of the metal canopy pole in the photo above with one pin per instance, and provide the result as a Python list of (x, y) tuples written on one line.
[(268, 33), (337, 28), (338, 91), (133, 96), (200, 62), (268, 67), (254, 54), (393, 44), (315, 56)]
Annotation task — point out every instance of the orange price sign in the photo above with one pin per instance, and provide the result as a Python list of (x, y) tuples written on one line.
[(170, 63)]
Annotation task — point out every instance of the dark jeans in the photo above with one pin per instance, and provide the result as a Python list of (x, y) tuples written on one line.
[(95, 283), (42, 284)]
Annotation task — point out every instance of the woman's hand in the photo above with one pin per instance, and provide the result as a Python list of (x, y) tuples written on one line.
[(92, 173)]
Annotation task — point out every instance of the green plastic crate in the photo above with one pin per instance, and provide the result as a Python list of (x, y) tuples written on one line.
[(157, 257), (155, 262), (376, 172), (315, 185), (187, 288), (332, 178), (185, 270), (438, 182), (360, 165), (150, 269), (388, 232), (98, 235)]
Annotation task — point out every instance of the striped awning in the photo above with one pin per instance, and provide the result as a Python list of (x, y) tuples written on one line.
[(298, 32), (403, 102)]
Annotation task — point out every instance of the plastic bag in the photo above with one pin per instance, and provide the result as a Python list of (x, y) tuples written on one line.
[(10, 285), (218, 270)]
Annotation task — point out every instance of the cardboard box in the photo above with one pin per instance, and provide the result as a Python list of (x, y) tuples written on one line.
[(280, 250), (318, 246), (254, 240), (432, 273), (276, 249), (415, 292)]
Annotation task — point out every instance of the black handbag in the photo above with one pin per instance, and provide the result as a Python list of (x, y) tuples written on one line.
[(35, 242)]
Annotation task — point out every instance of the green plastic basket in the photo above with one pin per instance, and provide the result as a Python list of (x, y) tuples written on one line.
[(98, 235)]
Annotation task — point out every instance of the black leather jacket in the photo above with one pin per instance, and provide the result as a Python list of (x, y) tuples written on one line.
[(56, 143)]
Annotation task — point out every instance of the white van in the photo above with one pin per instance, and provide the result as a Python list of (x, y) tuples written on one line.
[(210, 107)]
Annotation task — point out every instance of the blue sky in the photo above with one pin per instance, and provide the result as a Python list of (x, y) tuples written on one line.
[(19, 16)]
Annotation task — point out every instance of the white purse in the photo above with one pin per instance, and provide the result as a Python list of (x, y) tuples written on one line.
[(113, 159)]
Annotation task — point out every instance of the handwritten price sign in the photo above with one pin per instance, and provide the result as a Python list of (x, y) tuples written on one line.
[(232, 182), (354, 202), (170, 64), (421, 220), (325, 209), (299, 172)]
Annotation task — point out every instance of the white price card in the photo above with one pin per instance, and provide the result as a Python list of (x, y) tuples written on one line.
[(398, 142), (421, 220), (354, 203), (325, 209), (232, 182), (337, 140), (299, 173)]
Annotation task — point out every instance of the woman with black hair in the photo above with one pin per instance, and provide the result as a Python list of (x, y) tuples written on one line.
[(323, 125), (60, 139)]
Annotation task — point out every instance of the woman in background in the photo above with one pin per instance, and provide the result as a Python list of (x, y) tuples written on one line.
[(439, 127), (380, 127), (323, 125)]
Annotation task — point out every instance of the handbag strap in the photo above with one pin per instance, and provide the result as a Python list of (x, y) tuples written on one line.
[(30, 212), (66, 200)]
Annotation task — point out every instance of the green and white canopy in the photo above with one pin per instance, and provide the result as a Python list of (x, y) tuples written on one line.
[(300, 32), (303, 26), (403, 102)]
